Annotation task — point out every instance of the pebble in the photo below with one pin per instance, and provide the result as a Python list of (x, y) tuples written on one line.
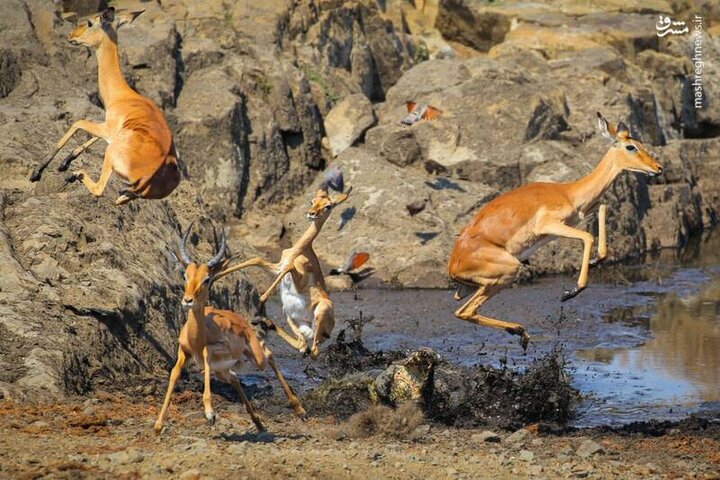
[(486, 436), (589, 448), (526, 456), (192, 474), (517, 436), (39, 424), (125, 457), (536, 470)]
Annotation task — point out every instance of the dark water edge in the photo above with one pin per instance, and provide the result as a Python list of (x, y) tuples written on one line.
[(642, 342)]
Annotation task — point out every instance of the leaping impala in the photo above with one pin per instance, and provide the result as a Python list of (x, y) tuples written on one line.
[(140, 146), (510, 228), (217, 339), (307, 306)]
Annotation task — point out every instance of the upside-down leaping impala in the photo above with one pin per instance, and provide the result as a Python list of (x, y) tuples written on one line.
[(140, 145)]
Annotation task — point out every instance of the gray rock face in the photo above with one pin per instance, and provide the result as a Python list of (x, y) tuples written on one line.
[(348, 121), (89, 292)]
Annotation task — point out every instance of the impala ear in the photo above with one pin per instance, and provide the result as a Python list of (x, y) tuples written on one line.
[(622, 131), (342, 197), (107, 15), (605, 129), (125, 17)]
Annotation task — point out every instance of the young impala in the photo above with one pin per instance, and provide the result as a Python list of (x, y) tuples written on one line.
[(509, 229), (140, 146), (307, 306), (216, 339)]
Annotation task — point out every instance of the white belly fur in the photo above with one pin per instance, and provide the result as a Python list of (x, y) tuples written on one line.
[(296, 306)]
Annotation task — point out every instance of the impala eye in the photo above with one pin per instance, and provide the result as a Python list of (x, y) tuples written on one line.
[(89, 23), (206, 280), (328, 207), (630, 148)]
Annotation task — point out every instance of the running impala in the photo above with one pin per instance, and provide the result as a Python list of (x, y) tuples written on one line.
[(307, 306), (510, 228), (140, 146), (217, 340)]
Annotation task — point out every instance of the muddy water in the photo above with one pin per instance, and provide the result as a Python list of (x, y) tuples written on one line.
[(642, 341)]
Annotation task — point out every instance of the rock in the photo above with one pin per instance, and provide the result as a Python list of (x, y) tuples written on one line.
[(518, 436), (486, 436), (10, 72), (417, 256), (346, 48), (588, 448), (536, 470), (126, 457), (192, 474), (526, 455), (420, 432), (347, 121), (407, 379)]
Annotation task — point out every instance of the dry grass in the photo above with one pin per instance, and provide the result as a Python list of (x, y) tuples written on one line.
[(383, 421)]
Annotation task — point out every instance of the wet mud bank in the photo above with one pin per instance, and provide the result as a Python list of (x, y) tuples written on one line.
[(639, 345)]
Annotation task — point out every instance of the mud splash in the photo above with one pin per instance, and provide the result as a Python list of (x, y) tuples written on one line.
[(448, 393)]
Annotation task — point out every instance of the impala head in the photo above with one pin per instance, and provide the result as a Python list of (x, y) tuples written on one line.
[(630, 154), (199, 276), (321, 205), (93, 29)]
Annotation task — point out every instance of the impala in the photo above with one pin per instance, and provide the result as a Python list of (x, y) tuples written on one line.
[(306, 304), (509, 229), (140, 146), (217, 340)]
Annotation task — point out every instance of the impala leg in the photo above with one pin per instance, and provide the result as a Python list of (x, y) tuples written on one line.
[(252, 262), (297, 341), (233, 380), (468, 313), (96, 188), (174, 375), (602, 235), (94, 129), (276, 282), (74, 154), (562, 230), (324, 324), (207, 394), (289, 393)]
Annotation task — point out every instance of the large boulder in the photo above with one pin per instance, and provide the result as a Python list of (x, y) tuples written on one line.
[(347, 122)]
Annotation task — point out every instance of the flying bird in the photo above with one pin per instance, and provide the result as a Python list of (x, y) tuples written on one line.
[(418, 111), (333, 178), (416, 207), (354, 261)]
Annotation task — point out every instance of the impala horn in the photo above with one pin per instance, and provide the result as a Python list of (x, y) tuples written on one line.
[(183, 252), (221, 252)]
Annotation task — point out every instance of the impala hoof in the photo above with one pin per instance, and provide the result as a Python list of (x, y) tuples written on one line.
[(210, 418), (597, 261), (73, 177), (568, 294), (524, 340), (37, 173), (65, 164), (158, 428)]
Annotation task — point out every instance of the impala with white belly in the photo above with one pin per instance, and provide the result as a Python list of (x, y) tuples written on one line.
[(306, 304)]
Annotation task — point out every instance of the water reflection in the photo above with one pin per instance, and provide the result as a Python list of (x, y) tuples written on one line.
[(679, 364)]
